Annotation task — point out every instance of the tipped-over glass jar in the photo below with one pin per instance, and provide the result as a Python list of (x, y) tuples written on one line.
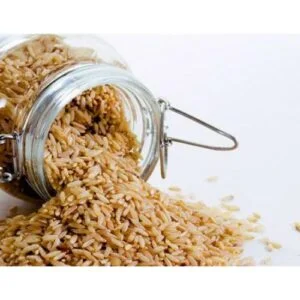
[(41, 74)]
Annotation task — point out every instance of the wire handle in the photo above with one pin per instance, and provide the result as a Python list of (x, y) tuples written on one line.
[(6, 176), (166, 141)]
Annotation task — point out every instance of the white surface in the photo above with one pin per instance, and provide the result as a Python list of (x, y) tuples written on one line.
[(249, 86)]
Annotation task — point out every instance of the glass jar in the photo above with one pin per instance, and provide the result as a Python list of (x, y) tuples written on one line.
[(94, 63)]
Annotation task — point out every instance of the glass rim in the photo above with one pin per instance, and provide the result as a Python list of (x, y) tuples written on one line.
[(58, 93)]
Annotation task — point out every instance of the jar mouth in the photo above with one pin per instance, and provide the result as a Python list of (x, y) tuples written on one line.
[(141, 110)]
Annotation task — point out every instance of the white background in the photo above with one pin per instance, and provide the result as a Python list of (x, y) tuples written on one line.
[(247, 85)]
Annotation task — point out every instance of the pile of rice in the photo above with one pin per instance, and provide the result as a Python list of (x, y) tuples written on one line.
[(104, 214)]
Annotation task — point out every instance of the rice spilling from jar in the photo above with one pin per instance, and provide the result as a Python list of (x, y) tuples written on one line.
[(104, 214)]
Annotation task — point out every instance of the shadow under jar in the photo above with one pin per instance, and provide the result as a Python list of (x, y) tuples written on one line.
[(41, 74)]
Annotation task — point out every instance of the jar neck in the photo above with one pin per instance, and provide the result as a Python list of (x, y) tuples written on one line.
[(141, 109)]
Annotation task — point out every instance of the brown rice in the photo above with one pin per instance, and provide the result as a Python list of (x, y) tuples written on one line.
[(104, 214)]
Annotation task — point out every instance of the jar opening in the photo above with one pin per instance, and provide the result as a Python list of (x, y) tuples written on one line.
[(140, 108)]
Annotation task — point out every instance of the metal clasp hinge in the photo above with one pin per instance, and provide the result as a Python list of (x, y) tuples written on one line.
[(5, 175), (166, 141)]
